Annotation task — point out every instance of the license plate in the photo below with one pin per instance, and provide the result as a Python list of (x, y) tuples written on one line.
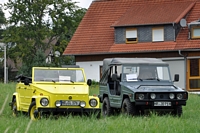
[(162, 103), (70, 103)]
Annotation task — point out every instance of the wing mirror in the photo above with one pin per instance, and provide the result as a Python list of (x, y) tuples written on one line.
[(176, 77), (26, 81), (89, 82)]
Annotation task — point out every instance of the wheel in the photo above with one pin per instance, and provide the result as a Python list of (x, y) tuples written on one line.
[(178, 111), (33, 113), (14, 108), (106, 109), (128, 107)]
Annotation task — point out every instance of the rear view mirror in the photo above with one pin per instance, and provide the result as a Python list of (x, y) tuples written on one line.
[(176, 77)]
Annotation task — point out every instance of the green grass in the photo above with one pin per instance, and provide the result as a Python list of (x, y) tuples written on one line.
[(187, 123)]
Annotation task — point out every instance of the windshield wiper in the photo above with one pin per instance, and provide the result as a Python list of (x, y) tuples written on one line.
[(153, 79), (135, 79), (71, 81), (140, 79), (67, 80), (158, 79)]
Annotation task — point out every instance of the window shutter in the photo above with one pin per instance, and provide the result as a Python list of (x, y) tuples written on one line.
[(131, 34), (158, 35)]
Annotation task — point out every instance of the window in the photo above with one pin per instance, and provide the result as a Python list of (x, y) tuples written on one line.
[(196, 32), (157, 34), (131, 35), (193, 69)]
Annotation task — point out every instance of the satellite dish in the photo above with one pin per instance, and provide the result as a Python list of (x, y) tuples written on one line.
[(183, 23), (57, 53)]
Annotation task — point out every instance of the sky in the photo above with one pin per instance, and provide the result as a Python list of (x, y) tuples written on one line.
[(81, 3)]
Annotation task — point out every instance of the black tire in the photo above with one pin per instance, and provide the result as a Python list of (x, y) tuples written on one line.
[(128, 108), (178, 111), (14, 108), (32, 111), (106, 109)]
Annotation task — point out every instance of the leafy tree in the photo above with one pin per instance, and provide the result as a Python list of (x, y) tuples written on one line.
[(39, 25), (2, 22), (2, 17), (39, 60)]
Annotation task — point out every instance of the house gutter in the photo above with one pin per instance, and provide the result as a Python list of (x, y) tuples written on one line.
[(185, 67)]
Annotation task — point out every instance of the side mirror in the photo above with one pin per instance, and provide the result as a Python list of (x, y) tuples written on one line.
[(26, 81), (114, 77), (89, 82), (176, 77)]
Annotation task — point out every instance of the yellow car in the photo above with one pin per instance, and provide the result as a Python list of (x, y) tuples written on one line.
[(54, 90)]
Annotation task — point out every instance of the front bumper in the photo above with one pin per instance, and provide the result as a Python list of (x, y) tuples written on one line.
[(150, 104), (71, 110)]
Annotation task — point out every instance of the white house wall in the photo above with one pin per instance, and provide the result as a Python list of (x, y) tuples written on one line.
[(91, 69), (177, 66)]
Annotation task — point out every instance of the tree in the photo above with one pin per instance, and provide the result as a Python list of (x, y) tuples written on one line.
[(2, 17), (43, 25), (2, 22)]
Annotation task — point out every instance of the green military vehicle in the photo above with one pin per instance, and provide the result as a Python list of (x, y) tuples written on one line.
[(135, 85)]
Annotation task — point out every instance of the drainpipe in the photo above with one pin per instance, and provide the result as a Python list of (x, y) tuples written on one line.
[(185, 67), (179, 52)]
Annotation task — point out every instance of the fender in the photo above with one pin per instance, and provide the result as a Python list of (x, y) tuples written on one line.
[(16, 95), (97, 98), (37, 100)]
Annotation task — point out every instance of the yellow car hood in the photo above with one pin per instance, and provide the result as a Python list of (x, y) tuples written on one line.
[(63, 89)]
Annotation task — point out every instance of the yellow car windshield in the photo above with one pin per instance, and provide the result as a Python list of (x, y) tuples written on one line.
[(58, 75)]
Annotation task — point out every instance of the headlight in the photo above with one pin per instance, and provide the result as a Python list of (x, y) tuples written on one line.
[(153, 95), (58, 103), (141, 96), (179, 96), (44, 101), (82, 104), (93, 102), (171, 95)]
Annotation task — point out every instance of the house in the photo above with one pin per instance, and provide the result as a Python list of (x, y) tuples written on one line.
[(166, 29)]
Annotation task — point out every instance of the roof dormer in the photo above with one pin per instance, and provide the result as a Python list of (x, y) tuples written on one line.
[(194, 28)]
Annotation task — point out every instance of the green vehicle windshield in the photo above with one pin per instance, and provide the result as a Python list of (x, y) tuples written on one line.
[(145, 72)]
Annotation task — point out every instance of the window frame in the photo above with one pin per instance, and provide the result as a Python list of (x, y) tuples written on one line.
[(153, 34), (192, 32), (136, 39)]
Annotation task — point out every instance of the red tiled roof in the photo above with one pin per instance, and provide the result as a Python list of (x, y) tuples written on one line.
[(96, 36), (146, 14)]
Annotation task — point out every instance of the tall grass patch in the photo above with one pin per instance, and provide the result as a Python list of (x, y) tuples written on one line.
[(151, 123)]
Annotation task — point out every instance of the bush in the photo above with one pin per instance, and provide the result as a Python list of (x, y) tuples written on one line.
[(95, 82)]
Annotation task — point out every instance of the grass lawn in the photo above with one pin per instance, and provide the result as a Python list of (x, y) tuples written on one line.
[(187, 123)]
